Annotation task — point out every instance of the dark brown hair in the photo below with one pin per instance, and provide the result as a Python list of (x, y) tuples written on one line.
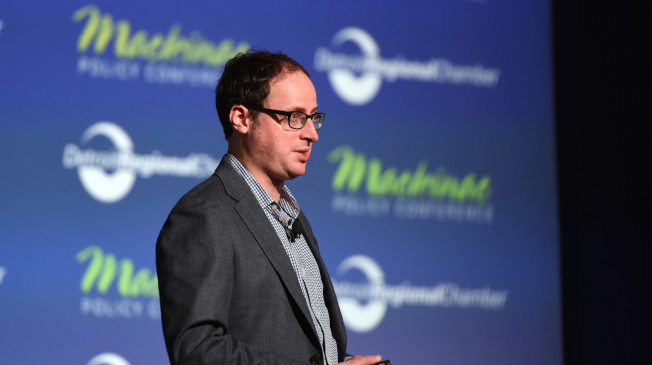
[(246, 80)]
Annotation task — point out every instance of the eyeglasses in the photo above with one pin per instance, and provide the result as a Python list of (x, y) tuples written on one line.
[(296, 120)]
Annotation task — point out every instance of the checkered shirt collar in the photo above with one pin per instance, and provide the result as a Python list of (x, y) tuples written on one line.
[(287, 201)]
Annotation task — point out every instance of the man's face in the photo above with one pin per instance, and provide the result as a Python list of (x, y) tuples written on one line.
[(278, 152)]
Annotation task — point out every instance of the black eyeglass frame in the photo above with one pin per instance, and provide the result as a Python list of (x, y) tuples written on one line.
[(289, 116)]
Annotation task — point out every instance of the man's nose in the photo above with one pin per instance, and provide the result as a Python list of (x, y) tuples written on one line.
[(309, 132)]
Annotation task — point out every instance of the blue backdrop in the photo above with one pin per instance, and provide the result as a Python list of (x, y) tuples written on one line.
[(431, 190)]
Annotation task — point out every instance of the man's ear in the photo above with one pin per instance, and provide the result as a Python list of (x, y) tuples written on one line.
[(240, 118)]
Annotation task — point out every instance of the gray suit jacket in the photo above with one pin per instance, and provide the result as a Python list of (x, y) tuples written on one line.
[(228, 292)]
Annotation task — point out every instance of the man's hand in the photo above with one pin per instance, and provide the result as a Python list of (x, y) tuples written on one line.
[(363, 360)]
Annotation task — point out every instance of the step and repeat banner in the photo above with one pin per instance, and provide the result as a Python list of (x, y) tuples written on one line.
[(431, 190)]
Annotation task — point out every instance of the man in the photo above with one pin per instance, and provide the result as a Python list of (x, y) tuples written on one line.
[(240, 275)]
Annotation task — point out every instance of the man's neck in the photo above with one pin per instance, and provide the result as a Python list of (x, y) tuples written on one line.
[(273, 188)]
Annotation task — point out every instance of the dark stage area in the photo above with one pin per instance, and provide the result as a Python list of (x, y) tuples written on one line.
[(603, 100)]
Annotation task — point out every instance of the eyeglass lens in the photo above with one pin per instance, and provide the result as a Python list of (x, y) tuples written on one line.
[(298, 120)]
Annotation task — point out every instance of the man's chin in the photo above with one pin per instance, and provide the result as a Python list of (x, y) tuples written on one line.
[(296, 172)]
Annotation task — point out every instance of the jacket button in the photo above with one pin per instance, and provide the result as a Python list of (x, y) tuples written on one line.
[(315, 359)]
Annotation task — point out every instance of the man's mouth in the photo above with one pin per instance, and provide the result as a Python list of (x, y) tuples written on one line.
[(304, 154)]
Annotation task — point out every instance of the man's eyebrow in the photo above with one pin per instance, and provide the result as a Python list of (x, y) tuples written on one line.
[(299, 109)]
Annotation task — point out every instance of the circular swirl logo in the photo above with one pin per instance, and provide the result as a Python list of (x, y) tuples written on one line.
[(100, 184), (354, 89), (358, 316), (108, 358)]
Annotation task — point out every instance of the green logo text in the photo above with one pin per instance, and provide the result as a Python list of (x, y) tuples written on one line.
[(100, 30), (104, 269), (355, 169)]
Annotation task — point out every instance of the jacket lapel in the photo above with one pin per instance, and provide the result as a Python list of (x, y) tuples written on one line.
[(255, 219)]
